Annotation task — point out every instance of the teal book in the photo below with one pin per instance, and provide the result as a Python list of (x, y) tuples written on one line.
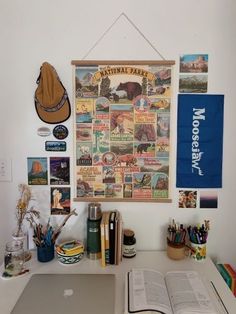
[(224, 273)]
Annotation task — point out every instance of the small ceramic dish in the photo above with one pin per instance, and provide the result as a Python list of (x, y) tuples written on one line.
[(70, 252)]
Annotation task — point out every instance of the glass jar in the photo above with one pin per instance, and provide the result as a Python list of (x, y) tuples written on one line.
[(129, 249), (14, 258), (20, 234)]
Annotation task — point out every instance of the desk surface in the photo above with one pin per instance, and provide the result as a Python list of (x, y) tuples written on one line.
[(11, 289)]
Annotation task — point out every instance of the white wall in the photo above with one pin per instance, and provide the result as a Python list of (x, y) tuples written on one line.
[(59, 31)]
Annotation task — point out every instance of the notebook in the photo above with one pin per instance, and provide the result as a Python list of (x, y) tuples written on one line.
[(67, 293)]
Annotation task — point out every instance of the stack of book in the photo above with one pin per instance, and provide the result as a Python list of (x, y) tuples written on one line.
[(229, 275), (111, 238)]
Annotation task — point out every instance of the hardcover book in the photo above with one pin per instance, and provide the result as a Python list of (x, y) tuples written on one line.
[(107, 240), (112, 237), (229, 276), (178, 292), (102, 230)]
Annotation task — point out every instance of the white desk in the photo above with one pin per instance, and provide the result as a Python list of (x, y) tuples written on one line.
[(11, 289)]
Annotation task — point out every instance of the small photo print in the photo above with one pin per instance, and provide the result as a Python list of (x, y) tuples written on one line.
[(60, 201), (37, 170), (208, 199), (59, 170), (187, 199), (194, 63), (193, 83)]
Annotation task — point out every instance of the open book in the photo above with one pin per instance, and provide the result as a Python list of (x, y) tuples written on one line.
[(178, 292)]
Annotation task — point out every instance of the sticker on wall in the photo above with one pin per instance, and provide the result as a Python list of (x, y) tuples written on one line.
[(187, 199), (193, 69), (59, 170), (43, 131), (60, 132), (55, 146), (208, 199), (60, 200), (37, 170)]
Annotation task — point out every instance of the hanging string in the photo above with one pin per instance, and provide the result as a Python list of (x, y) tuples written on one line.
[(134, 25), (145, 38)]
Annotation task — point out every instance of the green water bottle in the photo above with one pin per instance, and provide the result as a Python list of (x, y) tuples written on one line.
[(94, 231)]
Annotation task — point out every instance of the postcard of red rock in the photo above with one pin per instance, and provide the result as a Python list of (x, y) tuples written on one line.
[(122, 130)]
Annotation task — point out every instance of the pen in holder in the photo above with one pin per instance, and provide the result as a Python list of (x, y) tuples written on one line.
[(45, 253), (198, 240), (45, 237), (176, 251), (176, 248)]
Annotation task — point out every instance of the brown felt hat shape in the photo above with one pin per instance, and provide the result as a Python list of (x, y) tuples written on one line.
[(51, 99)]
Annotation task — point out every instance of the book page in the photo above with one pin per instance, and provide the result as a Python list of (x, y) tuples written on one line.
[(147, 292), (188, 294)]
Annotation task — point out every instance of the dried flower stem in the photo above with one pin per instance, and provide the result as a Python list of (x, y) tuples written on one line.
[(23, 211)]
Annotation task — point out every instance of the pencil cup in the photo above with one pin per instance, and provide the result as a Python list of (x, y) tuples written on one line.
[(198, 252), (176, 251), (45, 253)]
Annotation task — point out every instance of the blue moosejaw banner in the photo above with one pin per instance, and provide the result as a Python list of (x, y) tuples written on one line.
[(199, 141)]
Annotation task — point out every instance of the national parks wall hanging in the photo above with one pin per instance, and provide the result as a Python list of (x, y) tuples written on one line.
[(122, 130)]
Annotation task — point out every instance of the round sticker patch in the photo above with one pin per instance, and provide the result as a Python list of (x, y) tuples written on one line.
[(60, 132), (108, 158), (43, 131)]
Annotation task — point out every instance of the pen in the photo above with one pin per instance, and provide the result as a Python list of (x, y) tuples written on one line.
[(198, 234), (176, 233)]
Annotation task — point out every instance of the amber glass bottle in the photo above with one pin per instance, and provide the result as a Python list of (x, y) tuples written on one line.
[(129, 243)]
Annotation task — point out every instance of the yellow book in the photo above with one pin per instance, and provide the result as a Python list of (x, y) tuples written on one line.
[(70, 248), (102, 228)]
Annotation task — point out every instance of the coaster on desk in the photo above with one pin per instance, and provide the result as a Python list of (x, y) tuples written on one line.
[(7, 276)]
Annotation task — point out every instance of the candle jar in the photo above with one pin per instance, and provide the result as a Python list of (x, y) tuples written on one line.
[(14, 258), (129, 249)]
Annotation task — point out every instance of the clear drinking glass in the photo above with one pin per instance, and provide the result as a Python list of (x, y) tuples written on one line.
[(14, 257)]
